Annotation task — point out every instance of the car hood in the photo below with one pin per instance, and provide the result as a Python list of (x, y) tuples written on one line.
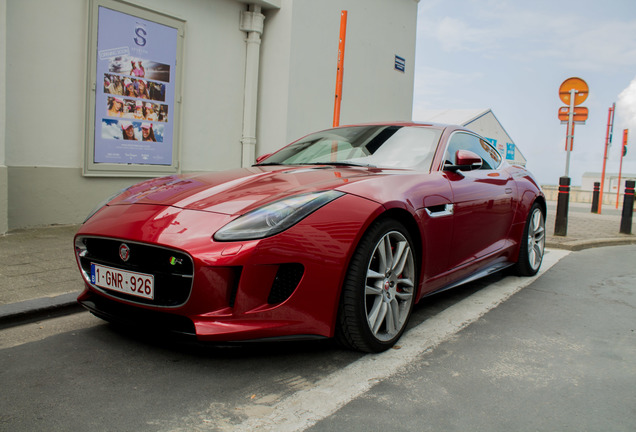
[(240, 190)]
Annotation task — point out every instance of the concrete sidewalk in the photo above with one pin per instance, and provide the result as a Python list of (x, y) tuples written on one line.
[(587, 229), (39, 276)]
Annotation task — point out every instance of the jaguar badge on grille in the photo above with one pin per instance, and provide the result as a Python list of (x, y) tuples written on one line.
[(124, 252)]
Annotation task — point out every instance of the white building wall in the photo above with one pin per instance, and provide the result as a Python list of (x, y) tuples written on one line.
[(488, 126), (4, 186), (213, 80), (45, 66), (483, 122), (46, 97), (298, 86), (610, 184), (273, 91), (46, 52), (47, 76), (386, 29)]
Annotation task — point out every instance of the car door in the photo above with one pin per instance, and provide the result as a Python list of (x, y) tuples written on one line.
[(483, 202)]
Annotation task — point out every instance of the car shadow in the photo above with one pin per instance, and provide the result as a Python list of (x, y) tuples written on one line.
[(434, 304), (427, 308)]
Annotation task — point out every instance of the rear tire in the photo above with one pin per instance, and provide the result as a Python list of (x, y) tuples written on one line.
[(532, 247), (379, 289)]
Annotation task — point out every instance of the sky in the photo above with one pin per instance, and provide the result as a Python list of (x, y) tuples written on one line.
[(511, 56)]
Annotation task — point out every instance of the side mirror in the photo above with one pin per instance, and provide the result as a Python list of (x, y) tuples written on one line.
[(465, 161)]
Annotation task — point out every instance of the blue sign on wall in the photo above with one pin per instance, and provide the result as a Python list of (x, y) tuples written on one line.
[(510, 151)]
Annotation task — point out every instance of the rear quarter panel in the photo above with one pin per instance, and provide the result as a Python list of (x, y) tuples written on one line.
[(528, 192)]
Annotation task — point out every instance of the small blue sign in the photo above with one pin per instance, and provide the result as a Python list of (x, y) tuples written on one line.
[(400, 63), (510, 151)]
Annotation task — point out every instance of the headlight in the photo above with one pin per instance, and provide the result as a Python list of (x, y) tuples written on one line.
[(275, 217)]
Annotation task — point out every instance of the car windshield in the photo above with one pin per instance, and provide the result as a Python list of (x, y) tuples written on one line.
[(373, 146)]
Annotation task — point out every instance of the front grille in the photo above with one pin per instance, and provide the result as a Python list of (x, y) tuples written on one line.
[(173, 270), (287, 279)]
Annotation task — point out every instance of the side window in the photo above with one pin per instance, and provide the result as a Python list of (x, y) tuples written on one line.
[(464, 141), (457, 142), (488, 153)]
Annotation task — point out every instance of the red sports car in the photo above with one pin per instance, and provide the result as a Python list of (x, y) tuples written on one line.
[(338, 234)]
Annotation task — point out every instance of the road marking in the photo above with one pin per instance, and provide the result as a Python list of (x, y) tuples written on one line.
[(306, 407)]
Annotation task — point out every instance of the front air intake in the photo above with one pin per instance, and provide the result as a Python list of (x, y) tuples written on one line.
[(287, 279)]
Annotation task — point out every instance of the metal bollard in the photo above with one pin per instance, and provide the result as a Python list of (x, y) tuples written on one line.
[(595, 196), (563, 204), (628, 207)]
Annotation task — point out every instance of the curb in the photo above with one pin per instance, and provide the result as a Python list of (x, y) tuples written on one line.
[(14, 314), (577, 245)]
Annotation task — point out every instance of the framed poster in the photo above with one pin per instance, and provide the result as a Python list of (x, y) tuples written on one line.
[(133, 91)]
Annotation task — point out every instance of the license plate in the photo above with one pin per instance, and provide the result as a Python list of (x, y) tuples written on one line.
[(127, 282)]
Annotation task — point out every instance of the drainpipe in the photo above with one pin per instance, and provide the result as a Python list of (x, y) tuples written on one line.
[(252, 21)]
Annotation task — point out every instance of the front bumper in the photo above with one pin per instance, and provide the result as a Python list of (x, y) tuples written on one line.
[(282, 286)]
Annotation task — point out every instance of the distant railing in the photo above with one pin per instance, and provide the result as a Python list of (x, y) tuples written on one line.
[(581, 196)]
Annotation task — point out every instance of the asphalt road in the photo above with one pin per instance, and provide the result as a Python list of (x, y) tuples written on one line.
[(496, 355)]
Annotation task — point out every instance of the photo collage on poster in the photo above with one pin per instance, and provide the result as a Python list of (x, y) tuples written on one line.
[(135, 90), (133, 98)]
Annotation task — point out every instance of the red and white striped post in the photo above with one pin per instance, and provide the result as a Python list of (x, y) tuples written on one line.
[(608, 142), (628, 207), (620, 170)]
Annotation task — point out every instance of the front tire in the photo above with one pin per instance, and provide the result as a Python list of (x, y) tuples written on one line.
[(532, 246), (379, 289)]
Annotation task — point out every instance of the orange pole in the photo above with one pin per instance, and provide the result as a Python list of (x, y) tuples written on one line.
[(340, 73), (608, 141), (620, 170)]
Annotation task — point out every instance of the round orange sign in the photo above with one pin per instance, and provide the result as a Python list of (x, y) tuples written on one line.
[(573, 84)]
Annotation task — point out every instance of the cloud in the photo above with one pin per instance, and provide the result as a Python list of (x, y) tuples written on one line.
[(436, 88), (535, 32), (456, 35), (626, 119), (626, 108), (580, 45)]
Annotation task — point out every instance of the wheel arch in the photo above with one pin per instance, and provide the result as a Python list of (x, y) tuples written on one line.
[(347, 334), (541, 201), (409, 221)]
